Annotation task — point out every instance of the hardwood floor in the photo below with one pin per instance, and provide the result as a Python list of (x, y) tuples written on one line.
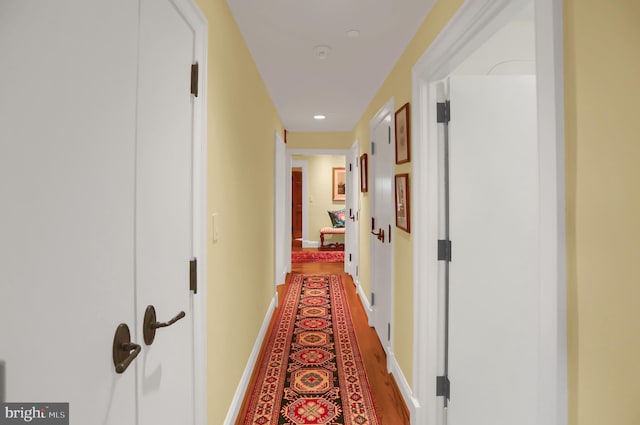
[(389, 403)]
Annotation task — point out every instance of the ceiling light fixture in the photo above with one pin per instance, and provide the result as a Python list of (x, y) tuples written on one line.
[(319, 117)]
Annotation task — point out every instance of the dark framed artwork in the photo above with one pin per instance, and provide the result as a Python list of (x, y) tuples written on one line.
[(364, 173), (339, 183), (403, 206), (403, 135)]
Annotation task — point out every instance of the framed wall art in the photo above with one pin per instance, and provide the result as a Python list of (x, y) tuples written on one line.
[(364, 173), (339, 180), (403, 208), (403, 135)]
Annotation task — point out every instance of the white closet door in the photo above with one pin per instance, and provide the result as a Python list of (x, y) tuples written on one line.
[(164, 211), (494, 272), (67, 132)]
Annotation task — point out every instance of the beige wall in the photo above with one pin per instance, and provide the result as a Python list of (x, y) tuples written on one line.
[(320, 201), (602, 88), (398, 86), (319, 140), (240, 189)]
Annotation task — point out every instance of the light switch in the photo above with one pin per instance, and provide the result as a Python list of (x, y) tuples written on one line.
[(214, 227)]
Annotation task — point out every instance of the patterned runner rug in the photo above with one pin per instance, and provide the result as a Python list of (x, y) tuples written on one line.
[(317, 256), (312, 372)]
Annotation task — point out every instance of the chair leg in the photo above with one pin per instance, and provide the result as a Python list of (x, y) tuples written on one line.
[(321, 240)]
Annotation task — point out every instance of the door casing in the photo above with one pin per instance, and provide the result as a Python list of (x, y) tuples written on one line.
[(473, 24)]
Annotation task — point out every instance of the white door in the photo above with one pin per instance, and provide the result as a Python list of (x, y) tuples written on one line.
[(83, 202), (67, 134), (164, 211), (382, 213), (493, 297), (352, 234)]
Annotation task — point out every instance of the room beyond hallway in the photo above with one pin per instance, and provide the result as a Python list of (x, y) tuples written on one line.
[(389, 404)]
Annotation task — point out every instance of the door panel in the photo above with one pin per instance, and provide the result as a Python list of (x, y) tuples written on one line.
[(383, 212), (164, 173), (494, 271), (296, 211), (67, 133)]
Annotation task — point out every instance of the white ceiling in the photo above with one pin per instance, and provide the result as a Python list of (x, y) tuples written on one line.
[(281, 36)]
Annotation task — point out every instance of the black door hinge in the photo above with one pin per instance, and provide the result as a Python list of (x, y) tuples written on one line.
[(350, 167), (443, 387), (373, 148), (193, 275), (444, 111), (388, 331), (444, 250), (373, 299), (194, 79), (389, 134), (349, 257)]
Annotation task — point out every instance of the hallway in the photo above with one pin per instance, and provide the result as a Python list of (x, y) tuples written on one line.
[(390, 407)]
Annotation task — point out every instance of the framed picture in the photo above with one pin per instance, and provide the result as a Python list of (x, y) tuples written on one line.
[(403, 134), (339, 180), (364, 173), (403, 208)]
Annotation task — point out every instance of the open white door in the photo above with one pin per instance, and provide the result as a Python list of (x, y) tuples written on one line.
[(493, 329), (382, 213)]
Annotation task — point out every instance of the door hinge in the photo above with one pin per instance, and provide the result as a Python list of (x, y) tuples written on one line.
[(444, 250), (373, 148), (443, 387), (373, 299), (349, 257), (193, 275), (350, 167), (389, 134), (194, 79), (357, 271), (444, 111), (388, 331)]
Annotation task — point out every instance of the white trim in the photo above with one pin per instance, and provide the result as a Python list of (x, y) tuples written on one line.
[(192, 13), (365, 304), (282, 238), (305, 199), (403, 385), (310, 152), (352, 236), (241, 390), (475, 21)]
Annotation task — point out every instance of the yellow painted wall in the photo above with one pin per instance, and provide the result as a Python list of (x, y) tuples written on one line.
[(398, 86), (320, 185), (319, 140), (240, 189), (602, 88)]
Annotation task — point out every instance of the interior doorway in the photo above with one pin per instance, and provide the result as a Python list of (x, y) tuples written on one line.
[(296, 207)]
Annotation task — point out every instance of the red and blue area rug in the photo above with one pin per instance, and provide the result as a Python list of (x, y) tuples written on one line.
[(317, 256), (312, 370)]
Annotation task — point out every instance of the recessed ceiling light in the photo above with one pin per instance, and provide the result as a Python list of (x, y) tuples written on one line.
[(319, 117), (353, 33)]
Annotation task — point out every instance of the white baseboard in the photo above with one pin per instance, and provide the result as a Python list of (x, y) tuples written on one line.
[(238, 397), (365, 303), (411, 402), (310, 244)]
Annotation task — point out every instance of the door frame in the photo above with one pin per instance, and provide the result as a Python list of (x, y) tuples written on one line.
[(282, 258), (305, 196), (473, 24), (387, 110), (192, 13), (352, 237)]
